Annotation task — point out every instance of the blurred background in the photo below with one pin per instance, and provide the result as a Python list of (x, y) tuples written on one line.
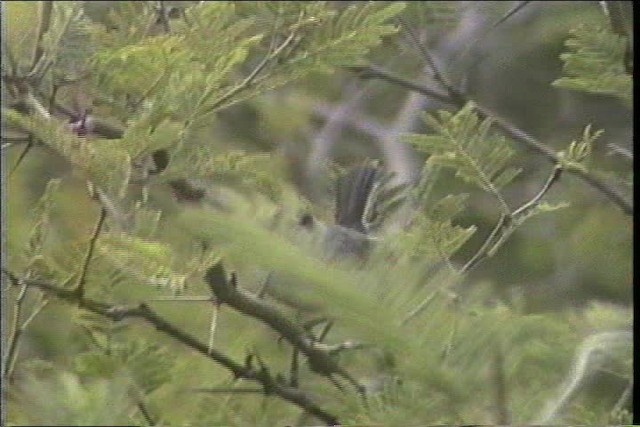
[(565, 261)]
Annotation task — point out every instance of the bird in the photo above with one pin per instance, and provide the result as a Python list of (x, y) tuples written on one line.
[(356, 208)]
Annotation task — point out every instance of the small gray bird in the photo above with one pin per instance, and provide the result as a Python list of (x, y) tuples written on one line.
[(355, 208), (364, 198)]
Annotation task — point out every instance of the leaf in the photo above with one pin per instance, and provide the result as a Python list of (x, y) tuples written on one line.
[(146, 260), (102, 161), (578, 153), (63, 398), (253, 172), (41, 227), (448, 207), (19, 36), (240, 239), (463, 143), (594, 63), (434, 240)]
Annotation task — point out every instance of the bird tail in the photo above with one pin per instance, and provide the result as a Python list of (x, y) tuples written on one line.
[(354, 193)]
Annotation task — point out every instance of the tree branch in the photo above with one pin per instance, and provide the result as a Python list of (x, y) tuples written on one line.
[(117, 313), (17, 329), (321, 358), (508, 222), (508, 129)]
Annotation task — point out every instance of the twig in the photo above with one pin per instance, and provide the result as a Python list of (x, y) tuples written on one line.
[(264, 287), (501, 396), (354, 120), (11, 60), (89, 254), (52, 97), (482, 252), (624, 398), (183, 299), (325, 331), (622, 25), (46, 9), (246, 83), (43, 64), (319, 355), (17, 329), (374, 72), (144, 312), (162, 17), (227, 390), (421, 307), (587, 359), (142, 406), (23, 154), (295, 368), (518, 135), (437, 75), (446, 351), (214, 323), (115, 212), (624, 152), (145, 412), (507, 223), (515, 9), (553, 178)]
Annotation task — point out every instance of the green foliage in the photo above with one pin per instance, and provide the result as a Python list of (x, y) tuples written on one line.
[(433, 14), (42, 221), (579, 151), (421, 341), (434, 236), (465, 144), (66, 45), (37, 255), (144, 260), (594, 63), (63, 398), (197, 62), (240, 240), (101, 161), (245, 171), (19, 37), (148, 364)]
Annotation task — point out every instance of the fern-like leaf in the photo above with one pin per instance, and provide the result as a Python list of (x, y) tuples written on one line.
[(148, 261), (464, 143), (102, 161), (594, 63)]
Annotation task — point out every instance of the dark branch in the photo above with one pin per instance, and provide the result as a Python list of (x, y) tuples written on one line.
[(117, 313), (320, 356), (89, 254), (510, 130)]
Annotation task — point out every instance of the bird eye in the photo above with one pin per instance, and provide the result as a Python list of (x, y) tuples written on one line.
[(306, 221)]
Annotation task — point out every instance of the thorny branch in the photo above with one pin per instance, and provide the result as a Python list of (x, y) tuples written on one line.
[(270, 384), (321, 357)]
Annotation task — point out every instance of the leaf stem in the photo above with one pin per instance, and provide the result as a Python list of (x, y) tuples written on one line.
[(80, 284)]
